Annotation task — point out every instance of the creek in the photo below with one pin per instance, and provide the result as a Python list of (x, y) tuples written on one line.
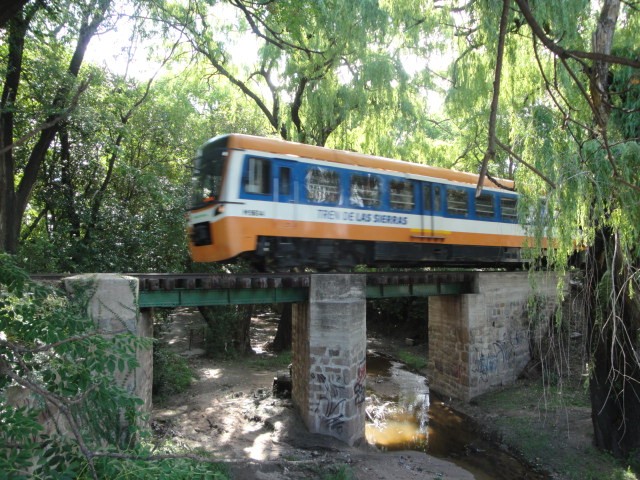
[(404, 415)]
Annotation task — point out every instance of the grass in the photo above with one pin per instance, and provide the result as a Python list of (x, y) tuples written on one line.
[(265, 362), (533, 421), (171, 373), (343, 473), (413, 362), (532, 394)]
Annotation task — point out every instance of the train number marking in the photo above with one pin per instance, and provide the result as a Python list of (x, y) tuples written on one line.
[(254, 213)]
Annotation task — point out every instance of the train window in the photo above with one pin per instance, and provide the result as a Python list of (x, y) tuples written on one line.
[(323, 185), (426, 193), (485, 206), (258, 178), (457, 201), (364, 191), (402, 195), (430, 206), (284, 187), (509, 209)]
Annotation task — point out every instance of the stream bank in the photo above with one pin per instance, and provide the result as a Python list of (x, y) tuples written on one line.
[(230, 412)]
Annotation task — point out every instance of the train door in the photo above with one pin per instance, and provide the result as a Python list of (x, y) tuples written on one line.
[(431, 207), (285, 193)]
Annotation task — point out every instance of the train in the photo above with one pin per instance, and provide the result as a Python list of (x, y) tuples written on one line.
[(282, 205)]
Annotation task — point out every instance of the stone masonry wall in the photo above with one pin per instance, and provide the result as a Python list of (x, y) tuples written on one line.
[(482, 340), (301, 357), (329, 357)]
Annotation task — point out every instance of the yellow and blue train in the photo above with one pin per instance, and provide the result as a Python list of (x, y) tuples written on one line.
[(282, 204)]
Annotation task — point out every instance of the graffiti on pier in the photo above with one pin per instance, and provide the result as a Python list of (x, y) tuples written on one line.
[(331, 402), (359, 387), (501, 354)]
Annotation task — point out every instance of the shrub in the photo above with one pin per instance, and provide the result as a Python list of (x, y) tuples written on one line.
[(53, 356), (171, 372)]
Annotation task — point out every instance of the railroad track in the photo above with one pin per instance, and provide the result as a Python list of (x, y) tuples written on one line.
[(204, 281)]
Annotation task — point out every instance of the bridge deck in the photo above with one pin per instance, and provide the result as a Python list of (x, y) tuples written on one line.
[(197, 289), (204, 290)]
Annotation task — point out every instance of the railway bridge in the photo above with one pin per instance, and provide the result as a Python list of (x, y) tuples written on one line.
[(480, 327)]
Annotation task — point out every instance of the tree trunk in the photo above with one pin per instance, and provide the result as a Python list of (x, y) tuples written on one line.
[(282, 341), (15, 200), (8, 225), (242, 333), (9, 9), (614, 315), (614, 384), (229, 329)]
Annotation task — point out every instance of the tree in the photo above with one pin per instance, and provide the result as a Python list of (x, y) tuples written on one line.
[(10, 8), (21, 164), (563, 107), (318, 66)]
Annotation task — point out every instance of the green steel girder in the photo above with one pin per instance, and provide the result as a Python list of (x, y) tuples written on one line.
[(416, 290), (243, 296), (203, 298)]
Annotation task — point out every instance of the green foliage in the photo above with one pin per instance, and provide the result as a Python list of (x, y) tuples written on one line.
[(56, 365), (414, 362), (343, 473), (115, 200), (192, 465), (49, 348), (171, 372), (222, 322), (19, 427)]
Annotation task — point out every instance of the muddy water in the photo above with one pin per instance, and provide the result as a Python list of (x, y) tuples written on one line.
[(402, 415)]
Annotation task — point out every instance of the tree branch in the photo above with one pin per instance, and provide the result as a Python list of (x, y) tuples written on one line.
[(52, 121), (297, 104), (276, 40), (491, 144), (561, 52), (525, 163)]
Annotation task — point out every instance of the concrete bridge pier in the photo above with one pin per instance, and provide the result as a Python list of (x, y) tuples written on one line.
[(329, 356), (112, 302), (482, 340)]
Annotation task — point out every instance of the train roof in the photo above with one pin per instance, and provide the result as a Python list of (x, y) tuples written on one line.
[(282, 147)]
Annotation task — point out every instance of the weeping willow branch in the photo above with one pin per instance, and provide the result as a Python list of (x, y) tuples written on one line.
[(491, 145), (275, 39), (525, 163)]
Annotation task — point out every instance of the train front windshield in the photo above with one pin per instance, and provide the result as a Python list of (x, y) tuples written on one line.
[(207, 175)]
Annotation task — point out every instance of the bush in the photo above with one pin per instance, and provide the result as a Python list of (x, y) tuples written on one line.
[(171, 372), (62, 369)]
